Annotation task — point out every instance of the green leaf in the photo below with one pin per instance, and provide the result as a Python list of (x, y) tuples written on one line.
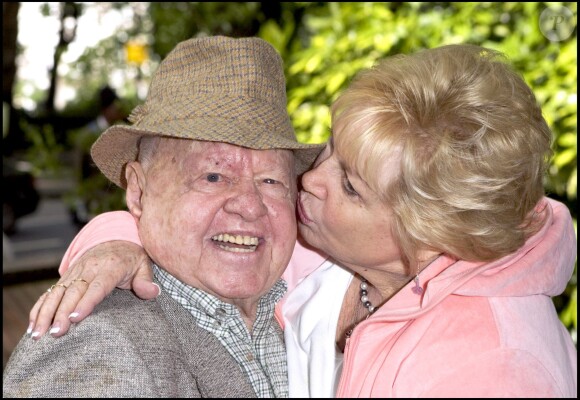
[(565, 157), (567, 140)]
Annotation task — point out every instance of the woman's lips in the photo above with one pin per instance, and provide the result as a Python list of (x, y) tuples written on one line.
[(302, 214)]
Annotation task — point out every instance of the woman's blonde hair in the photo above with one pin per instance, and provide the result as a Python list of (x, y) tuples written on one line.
[(472, 143)]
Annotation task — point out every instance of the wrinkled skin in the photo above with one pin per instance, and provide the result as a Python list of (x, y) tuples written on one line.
[(215, 189)]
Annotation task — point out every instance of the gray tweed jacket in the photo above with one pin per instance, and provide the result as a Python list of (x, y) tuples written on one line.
[(127, 348)]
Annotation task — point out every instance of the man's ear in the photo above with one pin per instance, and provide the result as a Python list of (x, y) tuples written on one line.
[(135, 187)]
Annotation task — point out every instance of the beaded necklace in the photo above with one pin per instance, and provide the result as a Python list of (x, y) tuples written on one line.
[(364, 299)]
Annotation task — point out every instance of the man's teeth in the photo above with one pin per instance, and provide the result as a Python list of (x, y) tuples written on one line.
[(250, 241), (237, 239)]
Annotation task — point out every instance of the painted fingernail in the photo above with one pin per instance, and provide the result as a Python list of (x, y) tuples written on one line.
[(73, 315), (29, 330), (158, 289), (54, 330), (35, 334)]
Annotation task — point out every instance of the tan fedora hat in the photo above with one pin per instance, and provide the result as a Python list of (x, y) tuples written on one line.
[(217, 89)]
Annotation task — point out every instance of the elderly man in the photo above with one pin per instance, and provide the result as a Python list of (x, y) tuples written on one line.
[(209, 167)]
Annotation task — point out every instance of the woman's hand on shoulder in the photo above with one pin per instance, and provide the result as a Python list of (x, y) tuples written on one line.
[(87, 282)]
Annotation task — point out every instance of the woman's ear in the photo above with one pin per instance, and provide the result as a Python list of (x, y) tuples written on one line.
[(135, 187)]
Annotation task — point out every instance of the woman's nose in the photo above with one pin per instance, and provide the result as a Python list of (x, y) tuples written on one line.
[(315, 181)]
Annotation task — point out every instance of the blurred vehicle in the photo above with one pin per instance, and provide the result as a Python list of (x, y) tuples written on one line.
[(19, 195)]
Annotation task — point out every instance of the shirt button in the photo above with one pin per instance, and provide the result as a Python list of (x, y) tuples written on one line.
[(220, 312), (250, 357)]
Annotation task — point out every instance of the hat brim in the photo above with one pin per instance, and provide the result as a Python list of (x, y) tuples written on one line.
[(119, 144)]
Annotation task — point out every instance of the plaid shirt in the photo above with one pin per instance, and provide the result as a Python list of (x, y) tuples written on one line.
[(261, 354)]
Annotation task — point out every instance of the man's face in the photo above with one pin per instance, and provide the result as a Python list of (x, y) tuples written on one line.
[(218, 217)]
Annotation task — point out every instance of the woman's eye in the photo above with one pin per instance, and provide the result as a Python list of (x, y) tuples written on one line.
[(270, 181), (213, 177), (348, 187)]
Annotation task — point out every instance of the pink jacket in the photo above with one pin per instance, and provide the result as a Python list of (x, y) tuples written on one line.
[(479, 329)]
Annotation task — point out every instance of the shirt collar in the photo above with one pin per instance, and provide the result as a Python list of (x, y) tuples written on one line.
[(210, 305)]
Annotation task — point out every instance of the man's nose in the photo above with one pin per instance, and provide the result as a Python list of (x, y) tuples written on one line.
[(246, 201)]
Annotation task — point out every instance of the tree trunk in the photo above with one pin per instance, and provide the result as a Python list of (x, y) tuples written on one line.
[(66, 36), (9, 36)]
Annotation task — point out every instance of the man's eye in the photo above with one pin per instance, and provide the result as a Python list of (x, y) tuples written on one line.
[(272, 188), (213, 177)]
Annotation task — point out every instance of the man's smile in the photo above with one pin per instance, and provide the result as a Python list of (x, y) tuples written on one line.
[(236, 243)]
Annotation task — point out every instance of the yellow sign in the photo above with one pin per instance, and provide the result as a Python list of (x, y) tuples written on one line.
[(136, 52)]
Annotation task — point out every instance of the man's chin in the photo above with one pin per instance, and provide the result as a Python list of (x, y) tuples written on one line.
[(239, 287)]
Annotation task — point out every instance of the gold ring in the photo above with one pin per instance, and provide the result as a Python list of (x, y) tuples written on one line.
[(50, 289), (80, 280)]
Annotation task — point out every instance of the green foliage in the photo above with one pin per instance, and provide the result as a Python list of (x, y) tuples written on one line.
[(569, 316), (44, 153), (177, 21), (95, 195)]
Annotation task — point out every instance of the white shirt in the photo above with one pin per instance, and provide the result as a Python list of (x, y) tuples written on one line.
[(311, 314)]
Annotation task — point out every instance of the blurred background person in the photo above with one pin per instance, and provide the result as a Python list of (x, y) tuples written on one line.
[(91, 189)]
